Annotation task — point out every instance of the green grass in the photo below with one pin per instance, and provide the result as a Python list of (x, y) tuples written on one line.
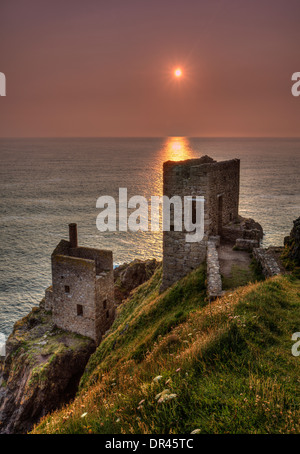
[(227, 366), (240, 276), (144, 318), (290, 265)]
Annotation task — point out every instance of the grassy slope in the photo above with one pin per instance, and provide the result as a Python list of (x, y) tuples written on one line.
[(224, 367)]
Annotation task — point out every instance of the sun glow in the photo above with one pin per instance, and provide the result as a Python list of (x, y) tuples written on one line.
[(177, 149), (177, 72)]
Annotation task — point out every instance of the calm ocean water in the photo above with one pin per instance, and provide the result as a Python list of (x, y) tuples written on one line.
[(48, 183)]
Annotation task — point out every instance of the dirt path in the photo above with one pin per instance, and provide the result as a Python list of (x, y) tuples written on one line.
[(228, 258)]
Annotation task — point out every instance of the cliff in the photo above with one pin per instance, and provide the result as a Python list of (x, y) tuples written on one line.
[(41, 372), (292, 246), (44, 364), (130, 275), (173, 363)]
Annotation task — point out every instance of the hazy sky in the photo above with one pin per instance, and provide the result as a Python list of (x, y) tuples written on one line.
[(104, 67)]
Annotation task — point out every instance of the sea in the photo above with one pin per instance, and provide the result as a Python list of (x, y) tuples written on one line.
[(48, 183)]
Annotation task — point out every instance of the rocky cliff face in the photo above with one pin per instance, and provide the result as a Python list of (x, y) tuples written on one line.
[(130, 275), (292, 243), (42, 369), (44, 364)]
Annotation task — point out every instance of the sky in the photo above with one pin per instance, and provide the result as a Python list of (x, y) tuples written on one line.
[(95, 68)]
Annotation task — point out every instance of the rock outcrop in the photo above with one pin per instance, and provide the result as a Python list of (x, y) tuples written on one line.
[(245, 229), (128, 276), (292, 243), (44, 364), (41, 372)]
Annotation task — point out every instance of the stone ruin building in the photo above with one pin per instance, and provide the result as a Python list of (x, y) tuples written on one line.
[(81, 297), (218, 183)]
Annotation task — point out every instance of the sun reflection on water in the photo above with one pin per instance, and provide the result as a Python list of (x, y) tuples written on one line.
[(177, 149)]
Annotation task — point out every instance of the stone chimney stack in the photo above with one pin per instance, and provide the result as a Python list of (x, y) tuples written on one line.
[(73, 235)]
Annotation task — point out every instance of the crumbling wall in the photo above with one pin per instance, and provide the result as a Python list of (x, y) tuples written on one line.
[(214, 281), (74, 295), (102, 258), (105, 303), (218, 183), (81, 297), (267, 262), (223, 194)]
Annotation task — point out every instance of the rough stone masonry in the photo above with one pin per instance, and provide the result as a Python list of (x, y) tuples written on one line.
[(81, 297), (219, 183)]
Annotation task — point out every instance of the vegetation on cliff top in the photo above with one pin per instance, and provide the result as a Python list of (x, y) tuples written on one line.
[(34, 377), (173, 363)]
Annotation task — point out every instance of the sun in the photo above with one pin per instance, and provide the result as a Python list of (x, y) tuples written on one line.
[(177, 72)]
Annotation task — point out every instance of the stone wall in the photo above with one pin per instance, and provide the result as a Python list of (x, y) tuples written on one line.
[(73, 286), (223, 189), (102, 258), (105, 303), (246, 244), (242, 228), (267, 262), (218, 183), (82, 294), (214, 281)]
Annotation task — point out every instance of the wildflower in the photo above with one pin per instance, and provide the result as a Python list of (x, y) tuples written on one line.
[(118, 420), (165, 391), (83, 415), (196, 431), (166, 397), (156, 379), (177, 370)]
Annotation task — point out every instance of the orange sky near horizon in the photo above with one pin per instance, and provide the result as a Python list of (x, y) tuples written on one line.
[(97, 68)]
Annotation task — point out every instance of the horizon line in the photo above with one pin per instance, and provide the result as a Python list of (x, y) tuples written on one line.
[(149, 137)]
